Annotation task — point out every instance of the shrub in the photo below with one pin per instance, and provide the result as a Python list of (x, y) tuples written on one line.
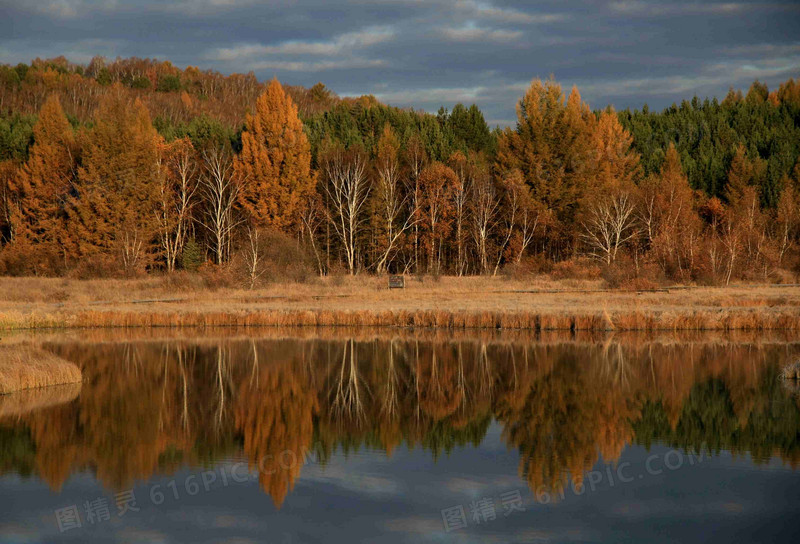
[(280, 258), (575, 269)]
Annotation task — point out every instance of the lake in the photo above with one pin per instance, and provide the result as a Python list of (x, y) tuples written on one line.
[(339, 435)]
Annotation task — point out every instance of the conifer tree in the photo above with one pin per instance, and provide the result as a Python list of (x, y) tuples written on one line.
[(43, 184), (551, 147), (113, 213), (275, 162), (617, 163)]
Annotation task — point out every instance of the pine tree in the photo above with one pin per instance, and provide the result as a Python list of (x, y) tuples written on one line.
[(275, 162)]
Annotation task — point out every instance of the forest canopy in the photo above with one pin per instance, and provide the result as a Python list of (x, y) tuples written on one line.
[(135, 165)]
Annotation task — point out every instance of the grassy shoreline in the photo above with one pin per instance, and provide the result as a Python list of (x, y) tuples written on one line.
[(25, 367), (446, 303)]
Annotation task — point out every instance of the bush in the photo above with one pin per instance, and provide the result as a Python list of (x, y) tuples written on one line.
[(625, 274), (26, 260), (575, 269), (280, 259), (217, 277), (97, 266)]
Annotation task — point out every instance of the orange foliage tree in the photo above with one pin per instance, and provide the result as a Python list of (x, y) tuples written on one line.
[(275, 162), (551, 147), (43, 184), (113, 213)]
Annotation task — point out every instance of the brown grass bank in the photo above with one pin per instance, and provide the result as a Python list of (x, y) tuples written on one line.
[(19, 403), (448, 303), (23, 367)]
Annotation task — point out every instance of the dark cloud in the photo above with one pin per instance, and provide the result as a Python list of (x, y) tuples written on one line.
[(428, 53)]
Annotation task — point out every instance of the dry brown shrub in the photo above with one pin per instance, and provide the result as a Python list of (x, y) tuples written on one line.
[(583, 269), (217, 277)]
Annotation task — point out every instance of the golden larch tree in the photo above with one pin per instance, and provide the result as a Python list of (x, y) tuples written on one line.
[(617, 162), (43, 184), (551, 147), (275, 162), (114, 212)]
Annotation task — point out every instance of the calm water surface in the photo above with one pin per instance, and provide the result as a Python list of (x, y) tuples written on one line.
[(411, 438)]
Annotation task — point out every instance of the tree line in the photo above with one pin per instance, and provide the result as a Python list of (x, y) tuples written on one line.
[(138, 166)]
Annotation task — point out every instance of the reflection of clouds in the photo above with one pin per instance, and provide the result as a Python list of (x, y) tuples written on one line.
[(418, 525), (660, 508), (357, 482), (480, 487)]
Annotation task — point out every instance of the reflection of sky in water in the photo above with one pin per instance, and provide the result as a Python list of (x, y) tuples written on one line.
[(196, 408), (367, 496)]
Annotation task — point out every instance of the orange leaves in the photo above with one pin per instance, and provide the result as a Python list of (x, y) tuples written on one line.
[(617, 164), (275, 162), (117, 187)]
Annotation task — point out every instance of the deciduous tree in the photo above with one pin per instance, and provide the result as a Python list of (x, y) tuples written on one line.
[(113, 210), (275, 162)]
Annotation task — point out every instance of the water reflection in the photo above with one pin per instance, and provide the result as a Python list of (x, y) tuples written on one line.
[(151, 407)]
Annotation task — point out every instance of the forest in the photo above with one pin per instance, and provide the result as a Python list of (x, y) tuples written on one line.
[(134, 166)]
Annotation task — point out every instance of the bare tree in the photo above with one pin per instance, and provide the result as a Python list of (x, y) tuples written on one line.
[(347, 189), (513, 200), (220, 189), (732, 242), (416, 158), (176, 200), (131, 246), (252, 256), (392, 204), (460, 201), (312, 217), (484, 212), (610, 224), (528, 212)]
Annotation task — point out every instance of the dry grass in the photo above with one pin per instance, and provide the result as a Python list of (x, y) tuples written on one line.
[(23, 402), (448, 302), (24, 367)]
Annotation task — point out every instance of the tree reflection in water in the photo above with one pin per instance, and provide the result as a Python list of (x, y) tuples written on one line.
[(152, 407)]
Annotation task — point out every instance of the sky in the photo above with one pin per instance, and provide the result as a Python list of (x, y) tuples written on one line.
[(431, 53)]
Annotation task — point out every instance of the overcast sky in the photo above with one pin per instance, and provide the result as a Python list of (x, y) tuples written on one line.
[(428, 53)]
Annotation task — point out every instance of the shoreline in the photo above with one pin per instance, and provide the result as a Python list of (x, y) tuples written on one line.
[(726, 319), (448, 303)]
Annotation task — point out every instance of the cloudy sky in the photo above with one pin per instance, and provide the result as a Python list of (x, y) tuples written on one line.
[(427, 53)]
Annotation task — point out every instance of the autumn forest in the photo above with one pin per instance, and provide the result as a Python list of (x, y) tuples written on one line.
[(134, 166)]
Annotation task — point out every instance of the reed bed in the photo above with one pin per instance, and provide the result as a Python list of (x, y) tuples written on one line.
[(24, 367), (728, 319), (23, 402)]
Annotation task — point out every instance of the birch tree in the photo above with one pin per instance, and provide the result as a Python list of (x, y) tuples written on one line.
[(220, 189), (347, 189)]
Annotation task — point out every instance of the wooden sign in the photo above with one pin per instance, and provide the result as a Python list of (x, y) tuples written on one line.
[(397, 282)]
